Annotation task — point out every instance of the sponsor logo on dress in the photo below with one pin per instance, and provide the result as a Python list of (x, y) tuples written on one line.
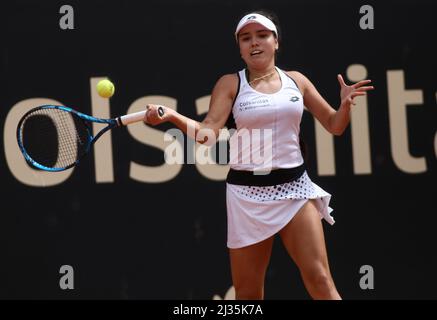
[(247, 105)]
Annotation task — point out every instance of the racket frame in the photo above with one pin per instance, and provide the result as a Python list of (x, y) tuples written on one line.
[(111, 123)]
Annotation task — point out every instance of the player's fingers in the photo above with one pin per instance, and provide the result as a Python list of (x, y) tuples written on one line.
[(146, 116), (340, 80), (357, 93), (366, 88), (361, 83), (151, 107)]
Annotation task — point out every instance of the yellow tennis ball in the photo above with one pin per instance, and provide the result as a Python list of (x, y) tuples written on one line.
[(105, 88)]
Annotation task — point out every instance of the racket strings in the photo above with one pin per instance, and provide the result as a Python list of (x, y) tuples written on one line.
[(54, 138), (68, 138)]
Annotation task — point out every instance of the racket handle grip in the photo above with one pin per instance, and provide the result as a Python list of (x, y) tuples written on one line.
[(131, 118), (136, 117)]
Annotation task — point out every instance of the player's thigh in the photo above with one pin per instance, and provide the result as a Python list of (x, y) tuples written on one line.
[(304, 240), (249, 264)]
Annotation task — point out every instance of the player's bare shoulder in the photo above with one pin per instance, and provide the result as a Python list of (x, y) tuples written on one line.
[(228, 83), (299, 78)]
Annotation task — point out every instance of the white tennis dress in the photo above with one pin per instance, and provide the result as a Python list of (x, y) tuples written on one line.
[(271, 122)]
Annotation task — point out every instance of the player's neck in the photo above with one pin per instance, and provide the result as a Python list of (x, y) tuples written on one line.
[(257, 73), (254, 75)]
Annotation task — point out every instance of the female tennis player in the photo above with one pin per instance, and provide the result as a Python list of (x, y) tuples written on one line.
[(275, 196)]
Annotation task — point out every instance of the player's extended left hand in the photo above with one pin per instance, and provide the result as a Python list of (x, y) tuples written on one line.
[(348, 93)]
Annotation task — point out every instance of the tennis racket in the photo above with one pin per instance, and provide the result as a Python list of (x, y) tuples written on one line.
[(56, 138)]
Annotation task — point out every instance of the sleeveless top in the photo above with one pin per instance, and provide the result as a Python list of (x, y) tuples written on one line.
[(267, 127)]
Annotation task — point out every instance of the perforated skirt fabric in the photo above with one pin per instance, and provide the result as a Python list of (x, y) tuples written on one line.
[(257, 213)]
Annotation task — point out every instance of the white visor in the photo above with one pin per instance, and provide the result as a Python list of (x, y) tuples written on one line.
[(255, 18)]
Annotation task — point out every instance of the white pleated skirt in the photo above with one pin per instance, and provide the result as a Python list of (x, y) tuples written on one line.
[(257, 213)]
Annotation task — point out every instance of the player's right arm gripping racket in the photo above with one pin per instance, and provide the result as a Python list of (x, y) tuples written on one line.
[(55, 138)]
